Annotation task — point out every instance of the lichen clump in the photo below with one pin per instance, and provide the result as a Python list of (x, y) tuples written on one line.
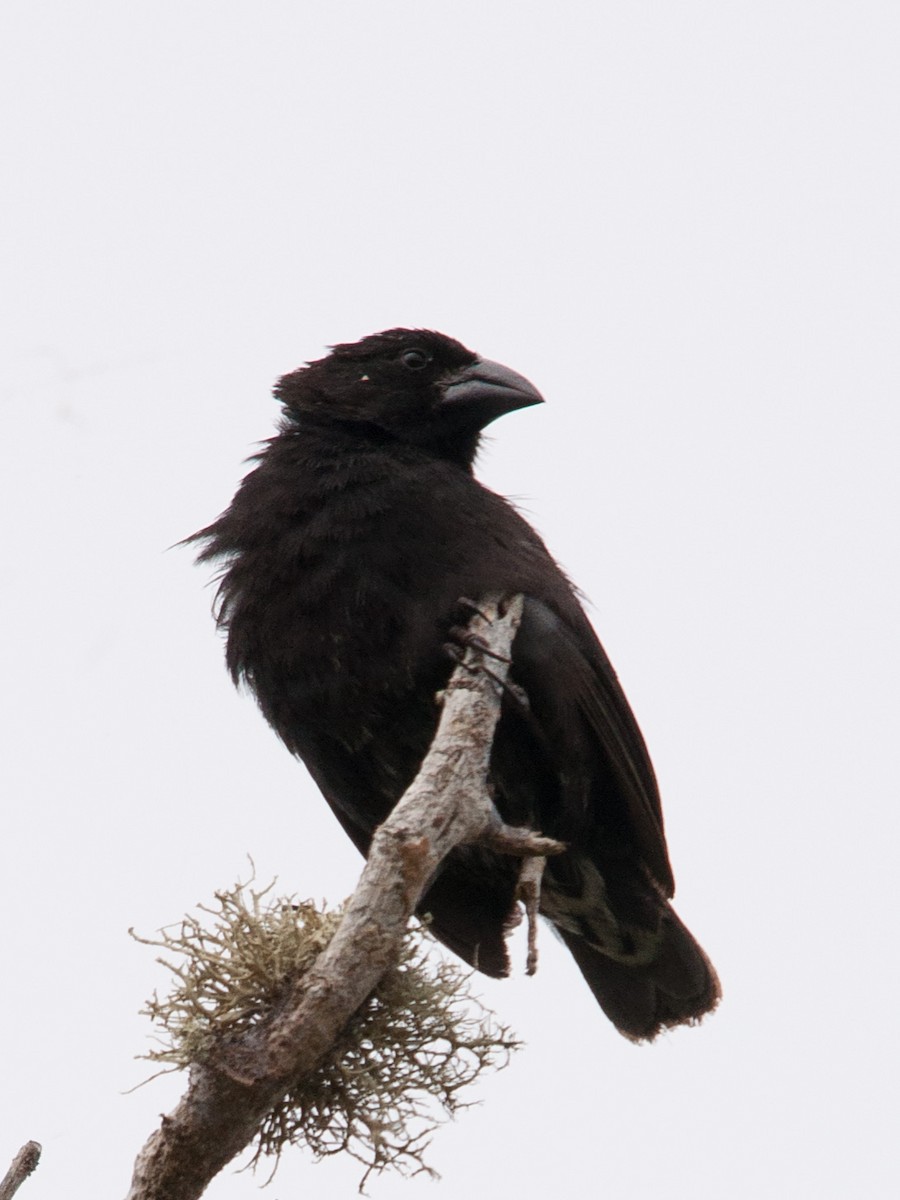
[(397, 1069)]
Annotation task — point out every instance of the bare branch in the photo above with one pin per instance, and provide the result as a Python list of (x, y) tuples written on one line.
[(529, 893), (446, 805), (21, 1167)]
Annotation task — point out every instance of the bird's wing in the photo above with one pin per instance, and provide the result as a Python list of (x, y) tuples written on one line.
[(586, 720)]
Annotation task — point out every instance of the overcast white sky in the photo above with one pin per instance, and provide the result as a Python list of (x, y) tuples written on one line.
[(680, 220)]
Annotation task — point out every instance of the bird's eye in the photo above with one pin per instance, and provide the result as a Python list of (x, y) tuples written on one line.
[(415, 360)]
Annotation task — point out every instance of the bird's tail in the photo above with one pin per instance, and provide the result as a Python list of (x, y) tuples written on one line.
[(677, 986)]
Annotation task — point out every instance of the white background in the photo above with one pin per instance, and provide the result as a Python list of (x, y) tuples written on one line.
[(680, 220)]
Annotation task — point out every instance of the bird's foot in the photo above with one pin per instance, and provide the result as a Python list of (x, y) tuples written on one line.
[(464, 639)]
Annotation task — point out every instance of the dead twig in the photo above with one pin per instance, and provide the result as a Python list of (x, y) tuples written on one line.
[(20, 1168)]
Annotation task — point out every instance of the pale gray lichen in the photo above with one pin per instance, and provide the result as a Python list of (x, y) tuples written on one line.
[(397, 1069)]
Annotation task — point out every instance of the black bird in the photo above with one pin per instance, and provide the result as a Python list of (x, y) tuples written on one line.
[(346, 552)]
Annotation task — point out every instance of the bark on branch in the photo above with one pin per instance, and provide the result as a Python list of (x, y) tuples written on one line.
[(446, 805), (20, 1168)]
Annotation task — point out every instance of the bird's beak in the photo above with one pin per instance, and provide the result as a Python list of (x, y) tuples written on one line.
[(486, 390)]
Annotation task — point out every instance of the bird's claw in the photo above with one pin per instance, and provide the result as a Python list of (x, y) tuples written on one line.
[(468, 640)]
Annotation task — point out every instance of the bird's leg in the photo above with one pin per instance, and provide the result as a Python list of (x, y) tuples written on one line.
[(529, 892)]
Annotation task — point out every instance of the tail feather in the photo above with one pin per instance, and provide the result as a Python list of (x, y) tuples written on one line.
[(677, 987)]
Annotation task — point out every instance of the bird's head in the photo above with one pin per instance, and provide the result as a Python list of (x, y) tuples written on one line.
[(415, 385)]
